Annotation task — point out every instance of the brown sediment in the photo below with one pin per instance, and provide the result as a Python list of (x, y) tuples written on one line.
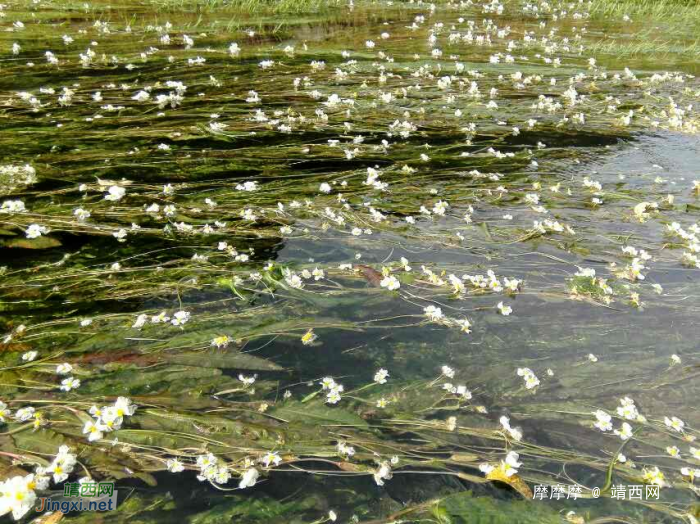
[(371, 275)]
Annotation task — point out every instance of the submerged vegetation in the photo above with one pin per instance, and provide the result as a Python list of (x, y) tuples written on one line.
[(383, 262)]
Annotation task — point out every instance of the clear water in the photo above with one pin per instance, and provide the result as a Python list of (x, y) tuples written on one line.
[(589, 349)]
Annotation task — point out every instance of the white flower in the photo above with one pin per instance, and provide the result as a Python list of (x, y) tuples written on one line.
[(180, 318), (17, 497), (628, 409), (585, 272), (35, 231), (206, 461), (174, 466), (271, 457), (141, 96), (390, 282), (515, 433), (249, 478), (62, 465), (433, 313), (448, 371), (625, 432), (120, 235), (115, 193), (12, 206), (464, 324), (70, 383), (674, 423), (93, 430), (328, 383), (603, 420), (643, 210), (486, 468), (29, 356), (463, 392), (247, 381), (382, 473), (693, 474), (25, 414), (309, 337), (221, 476), (221, 341), (503, 309), (333, 396), (381, 376), (294, 280), (511, 464), (531, 380), (345, 450), (673, 451), (250, 185), (123, 406), (440, 207), (109, 419), (654, 476), (4, 412), (511, 284), (64, 369)]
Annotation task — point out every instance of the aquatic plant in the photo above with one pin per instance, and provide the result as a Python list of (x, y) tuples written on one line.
[(388, 241)]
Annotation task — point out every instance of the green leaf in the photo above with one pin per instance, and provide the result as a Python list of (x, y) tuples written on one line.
[(114, 464), (222, 359), (316, 412), (254, 510), (130, 382), (464, 508), (34, 243)]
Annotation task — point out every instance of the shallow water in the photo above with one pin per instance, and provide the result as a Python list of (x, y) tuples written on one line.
[(89, 289)]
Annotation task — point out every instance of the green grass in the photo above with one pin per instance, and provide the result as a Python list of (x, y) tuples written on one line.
[(649, 11), (249, 7)]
